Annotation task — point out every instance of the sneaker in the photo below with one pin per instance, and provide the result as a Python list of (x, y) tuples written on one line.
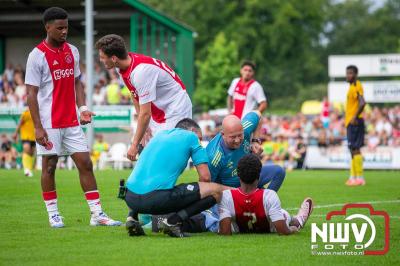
[(134, 228), (102, 219), (173, 230), (360, 181), (56, 221), (305, 211), (351, 182)]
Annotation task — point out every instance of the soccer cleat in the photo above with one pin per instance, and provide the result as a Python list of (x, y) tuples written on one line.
[(56, 221), (134, 228), (101, 219), (360, 181), (156, 221), (305, 211), (173, 230), (351, 182), (28, 173)]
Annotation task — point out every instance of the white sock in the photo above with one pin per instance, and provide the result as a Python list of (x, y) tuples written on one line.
[(93, 200), (51, 206), (50, 200)]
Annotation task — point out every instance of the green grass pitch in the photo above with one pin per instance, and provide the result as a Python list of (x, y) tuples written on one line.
[(27, 239)]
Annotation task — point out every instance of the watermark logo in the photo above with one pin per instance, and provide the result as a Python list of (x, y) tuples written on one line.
[(351, 234)]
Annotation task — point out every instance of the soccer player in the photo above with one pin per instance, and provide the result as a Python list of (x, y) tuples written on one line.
[(152, 189), (355, 126), (248, 209), (159, 95), (232, 143), (54, 91), (245, 93), (27, 134)]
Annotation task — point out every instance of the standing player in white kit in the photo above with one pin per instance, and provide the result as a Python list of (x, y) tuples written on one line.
[(54, 91), (159, 95)]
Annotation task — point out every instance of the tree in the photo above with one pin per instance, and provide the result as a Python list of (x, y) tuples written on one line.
[(215, 73), (290, 40)]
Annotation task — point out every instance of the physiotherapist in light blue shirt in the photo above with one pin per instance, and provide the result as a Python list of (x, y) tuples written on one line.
[(152, 189)]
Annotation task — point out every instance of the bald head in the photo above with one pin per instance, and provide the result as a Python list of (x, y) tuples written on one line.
[(231, 123), (232, 131)]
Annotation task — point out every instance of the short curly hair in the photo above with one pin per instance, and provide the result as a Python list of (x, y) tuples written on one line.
[(112, 44), (54, 13), (249, 168)]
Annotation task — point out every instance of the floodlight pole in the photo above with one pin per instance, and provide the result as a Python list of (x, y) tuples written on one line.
[(89, 64)]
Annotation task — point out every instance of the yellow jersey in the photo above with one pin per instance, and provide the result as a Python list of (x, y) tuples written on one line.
[(352, 101), (27, 129)]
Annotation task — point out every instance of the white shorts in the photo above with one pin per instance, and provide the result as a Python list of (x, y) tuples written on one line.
[(66, 141)]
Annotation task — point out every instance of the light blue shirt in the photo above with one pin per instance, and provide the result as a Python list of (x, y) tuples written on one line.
[(223, 161), (164, 159)]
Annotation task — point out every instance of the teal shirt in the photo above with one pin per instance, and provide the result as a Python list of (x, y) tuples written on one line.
[(164, 159), (223, 161)]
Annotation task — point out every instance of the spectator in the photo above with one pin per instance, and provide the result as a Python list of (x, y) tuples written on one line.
[(125, 96), (8, 154), (384, 125), (113, 92), (99, 74), (206, 121), (99, 150), (373, 140), (20, 89), (325, 110), (12, 98), (99, 97), (9, 73)]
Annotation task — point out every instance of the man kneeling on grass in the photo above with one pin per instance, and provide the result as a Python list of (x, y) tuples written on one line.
[(248, 209), (151, 185)]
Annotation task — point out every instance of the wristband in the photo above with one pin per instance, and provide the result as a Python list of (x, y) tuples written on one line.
[(83, 108), (256, 140)]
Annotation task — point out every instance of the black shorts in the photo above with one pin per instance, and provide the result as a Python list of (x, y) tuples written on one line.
[(355, 134), (32, 143), (164, 201)]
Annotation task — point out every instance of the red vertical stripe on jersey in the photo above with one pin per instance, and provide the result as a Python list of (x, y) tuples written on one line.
[(157, 114), (239, 97), (61, 65), (250, 212)]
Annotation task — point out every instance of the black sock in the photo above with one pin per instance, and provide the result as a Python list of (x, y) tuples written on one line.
[(174, 219), (134, 215), (193, 209)]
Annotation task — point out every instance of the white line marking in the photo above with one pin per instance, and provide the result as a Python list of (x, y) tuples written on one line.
[(321, 215), (342, 204)]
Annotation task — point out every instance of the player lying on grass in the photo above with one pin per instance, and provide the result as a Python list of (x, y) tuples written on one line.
[(151, 185), (248, 209)]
